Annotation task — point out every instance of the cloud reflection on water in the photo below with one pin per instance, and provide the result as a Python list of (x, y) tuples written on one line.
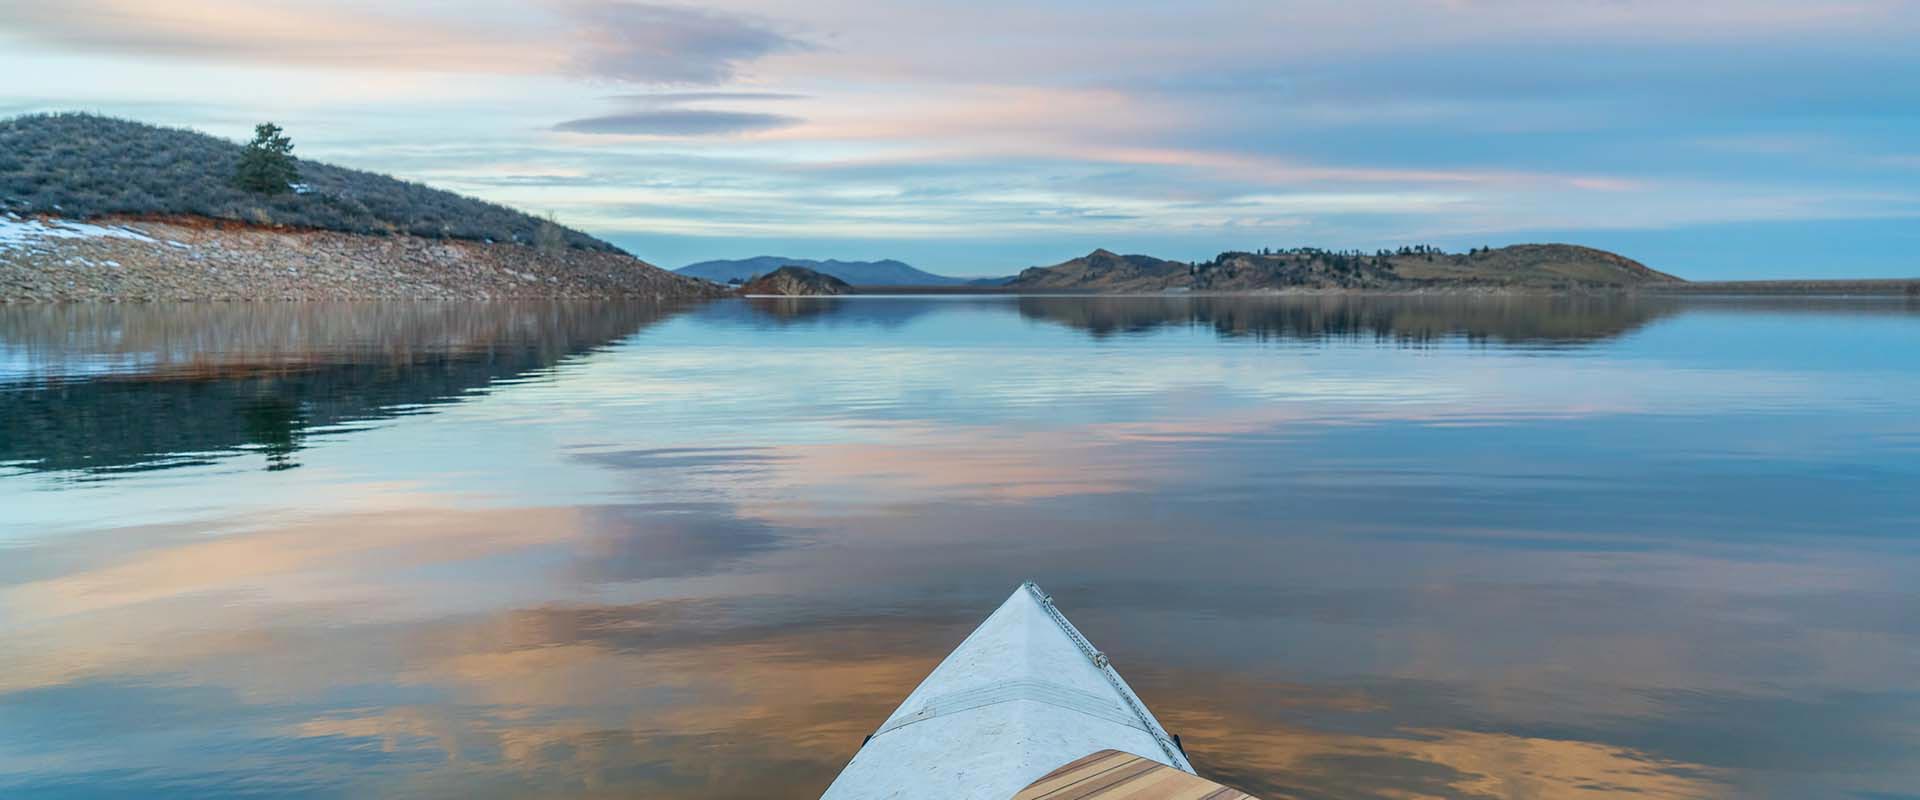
[(676, 569)]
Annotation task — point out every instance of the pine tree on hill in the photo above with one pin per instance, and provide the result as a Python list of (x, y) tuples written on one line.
[(87, 166), (267, 166)]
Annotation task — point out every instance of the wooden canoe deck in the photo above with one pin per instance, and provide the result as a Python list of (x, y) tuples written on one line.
[(1113, 775)]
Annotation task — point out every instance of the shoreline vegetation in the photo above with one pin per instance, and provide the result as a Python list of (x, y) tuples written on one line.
[(94, 208), (191, 259), (1878, 287), (1193, 280)]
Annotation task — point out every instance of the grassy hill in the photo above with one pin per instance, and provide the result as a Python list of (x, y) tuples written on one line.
[(86, 165)]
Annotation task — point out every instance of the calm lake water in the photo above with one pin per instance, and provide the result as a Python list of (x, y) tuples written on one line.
[(1347, 548)]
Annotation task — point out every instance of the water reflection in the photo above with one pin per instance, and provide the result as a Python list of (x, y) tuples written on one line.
[(1406, 319), (705, 556), (103, 389), (1419, 319), (882, 313)]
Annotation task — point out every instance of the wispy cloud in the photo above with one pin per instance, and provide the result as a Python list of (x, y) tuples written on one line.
[(683, 98), (665, 114), (650, 43), (677, 122)]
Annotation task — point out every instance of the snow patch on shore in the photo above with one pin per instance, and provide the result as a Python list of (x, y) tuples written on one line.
[(18, 231)]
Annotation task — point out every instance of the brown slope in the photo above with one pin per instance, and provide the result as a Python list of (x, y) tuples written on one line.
[(47, 260), (1530, 265), (1105, 270)]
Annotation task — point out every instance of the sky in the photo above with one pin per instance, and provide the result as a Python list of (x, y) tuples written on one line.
[(1711, 138)]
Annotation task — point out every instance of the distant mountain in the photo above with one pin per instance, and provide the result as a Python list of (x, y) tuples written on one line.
[(858, 273), (1528, 266), (997, 281), (795, 281)]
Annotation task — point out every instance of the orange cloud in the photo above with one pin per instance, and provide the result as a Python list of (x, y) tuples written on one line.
[(265, 562), (629, 41)]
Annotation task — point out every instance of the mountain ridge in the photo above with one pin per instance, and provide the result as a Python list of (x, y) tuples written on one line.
[(1520, 266)]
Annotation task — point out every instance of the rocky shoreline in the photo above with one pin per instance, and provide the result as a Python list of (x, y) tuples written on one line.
[(136, 260)]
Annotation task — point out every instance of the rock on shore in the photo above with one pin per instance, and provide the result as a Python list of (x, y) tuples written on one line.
[(57, 260)]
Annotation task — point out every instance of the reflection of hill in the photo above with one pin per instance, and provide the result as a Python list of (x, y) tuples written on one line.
[(103, 389), (793, 309), (870, 311), (1547, 319)]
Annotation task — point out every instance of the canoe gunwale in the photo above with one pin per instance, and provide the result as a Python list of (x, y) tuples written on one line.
[(1174, 753)]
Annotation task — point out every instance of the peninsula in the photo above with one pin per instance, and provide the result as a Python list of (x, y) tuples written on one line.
[(1526, 266)]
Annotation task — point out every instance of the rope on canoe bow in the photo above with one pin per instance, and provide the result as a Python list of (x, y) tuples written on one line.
[(1175, 754)]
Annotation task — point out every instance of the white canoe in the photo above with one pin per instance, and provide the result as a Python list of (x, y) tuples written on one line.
[(1024, 695)]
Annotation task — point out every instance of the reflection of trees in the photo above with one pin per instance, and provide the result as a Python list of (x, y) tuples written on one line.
[(1411, 319), (1550, 319), (274, 424), (126, 388), (1540, 319), (794, 309)]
